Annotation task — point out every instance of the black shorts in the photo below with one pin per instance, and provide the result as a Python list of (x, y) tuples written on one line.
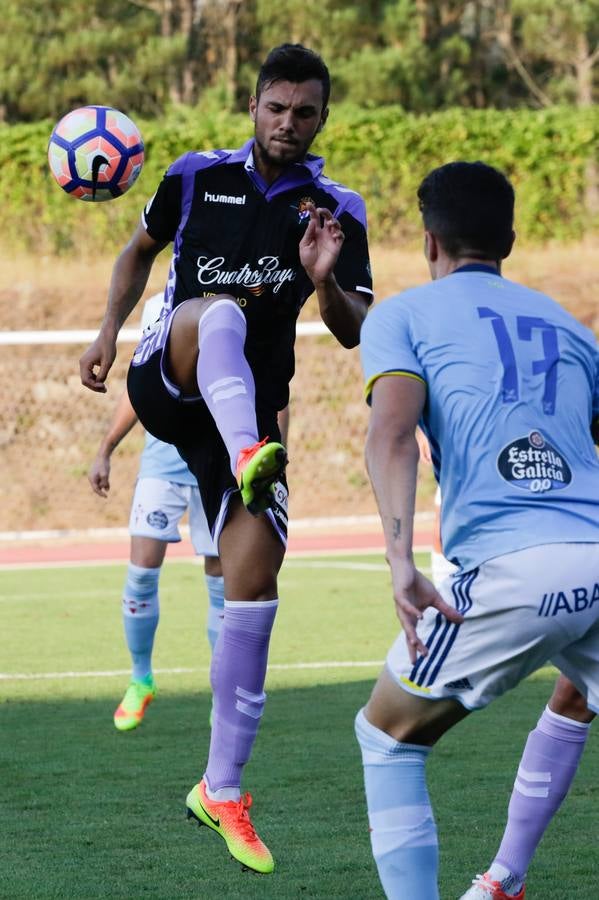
[(189, 425)]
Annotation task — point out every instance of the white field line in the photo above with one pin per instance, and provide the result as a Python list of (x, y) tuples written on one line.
[(122, 673), (547, 669), (90, 595)]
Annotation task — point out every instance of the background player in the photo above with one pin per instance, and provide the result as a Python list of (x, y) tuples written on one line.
[(255, 232), (505, 384), (164, 491)]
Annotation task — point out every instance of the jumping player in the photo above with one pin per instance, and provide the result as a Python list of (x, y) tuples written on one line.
[(164, 491), (505, 385), (255, 231)]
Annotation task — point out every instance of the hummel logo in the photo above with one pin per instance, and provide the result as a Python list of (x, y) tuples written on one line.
[(215, 822), (224, 198)]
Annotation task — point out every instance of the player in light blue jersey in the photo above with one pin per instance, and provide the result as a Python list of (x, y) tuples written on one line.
[(529, 811), (505, 384), (165, 490)]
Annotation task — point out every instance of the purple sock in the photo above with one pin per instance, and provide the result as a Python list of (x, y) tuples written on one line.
[(546, 770), (237, 675), (225, 379)]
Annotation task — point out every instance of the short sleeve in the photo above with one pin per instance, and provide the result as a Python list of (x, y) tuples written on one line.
[(352, 271), (596, 391), (386, 346), (162, 213)]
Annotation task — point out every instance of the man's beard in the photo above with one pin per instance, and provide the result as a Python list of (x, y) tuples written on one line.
[(269, 159)]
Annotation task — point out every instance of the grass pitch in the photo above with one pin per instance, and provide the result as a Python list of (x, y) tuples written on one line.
[(86, 812)]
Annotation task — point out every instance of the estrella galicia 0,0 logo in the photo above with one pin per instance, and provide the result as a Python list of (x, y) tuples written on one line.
[(533, 464)]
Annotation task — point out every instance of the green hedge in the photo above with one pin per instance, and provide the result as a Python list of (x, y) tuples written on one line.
[(382, 153)]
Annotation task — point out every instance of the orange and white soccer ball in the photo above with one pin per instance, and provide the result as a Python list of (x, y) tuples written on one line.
[(96, 153)]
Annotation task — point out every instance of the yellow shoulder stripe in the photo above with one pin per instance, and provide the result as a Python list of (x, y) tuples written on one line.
[(370, 383)]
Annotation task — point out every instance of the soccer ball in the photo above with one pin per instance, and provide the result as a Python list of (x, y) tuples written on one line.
[(95, 153)]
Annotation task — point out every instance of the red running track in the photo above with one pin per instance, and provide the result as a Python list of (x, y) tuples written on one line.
[(317, 542)]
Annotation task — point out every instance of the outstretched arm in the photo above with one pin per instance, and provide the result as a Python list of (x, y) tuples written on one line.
[(129, 278), (392, 462), (123, 420), (342, 311)]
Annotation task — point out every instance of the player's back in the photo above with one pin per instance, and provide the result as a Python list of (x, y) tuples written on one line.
[(512, 380)]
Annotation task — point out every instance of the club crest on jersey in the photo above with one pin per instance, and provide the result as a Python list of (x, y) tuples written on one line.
[(303, 212), (533, 464)]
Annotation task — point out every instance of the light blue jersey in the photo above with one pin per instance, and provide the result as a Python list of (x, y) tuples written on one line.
[(513, 386), (160, 460)]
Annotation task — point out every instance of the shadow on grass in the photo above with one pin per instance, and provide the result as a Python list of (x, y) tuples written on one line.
[(90, 813)]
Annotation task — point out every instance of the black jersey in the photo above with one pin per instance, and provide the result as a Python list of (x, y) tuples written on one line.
[(235, 234)]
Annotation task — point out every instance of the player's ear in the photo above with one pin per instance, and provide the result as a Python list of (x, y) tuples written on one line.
[(323, 119), (510, 246), (431, 247), (252, 108)]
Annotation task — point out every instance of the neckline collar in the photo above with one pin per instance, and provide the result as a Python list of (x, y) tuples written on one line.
[(477, 267), (245, 154)]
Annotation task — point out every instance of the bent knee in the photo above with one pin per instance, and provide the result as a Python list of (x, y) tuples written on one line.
[(408, 718), (252, 589), (189, 313), (567, 701)]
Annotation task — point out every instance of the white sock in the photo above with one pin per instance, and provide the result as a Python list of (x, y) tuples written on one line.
[(223, 794), (510, 883), (402, 829)]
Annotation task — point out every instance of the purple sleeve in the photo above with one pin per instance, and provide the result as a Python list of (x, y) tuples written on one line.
[(353, 267), (164, 211)]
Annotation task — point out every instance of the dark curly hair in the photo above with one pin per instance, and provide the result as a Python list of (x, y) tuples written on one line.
[(294, 63)]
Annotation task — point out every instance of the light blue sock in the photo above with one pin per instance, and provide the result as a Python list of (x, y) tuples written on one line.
[(140, 617), (216, 597), (402, 828)]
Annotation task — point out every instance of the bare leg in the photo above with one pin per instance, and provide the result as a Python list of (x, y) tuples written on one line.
[(212, 566), (567, 700), (251, 555), (147, 552), (406, 717), (182, 351)]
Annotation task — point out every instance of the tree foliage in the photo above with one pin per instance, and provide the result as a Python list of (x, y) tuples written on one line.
[(382, 153), (147, 55)]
